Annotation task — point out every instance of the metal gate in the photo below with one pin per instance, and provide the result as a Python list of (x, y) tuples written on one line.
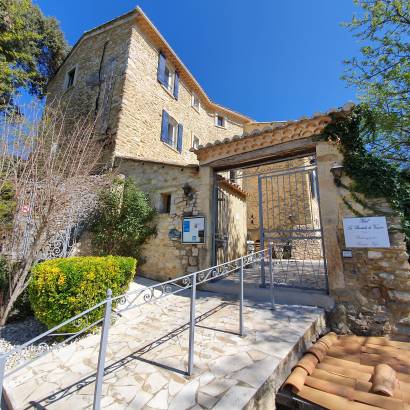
[(222, 226), (289, 219)]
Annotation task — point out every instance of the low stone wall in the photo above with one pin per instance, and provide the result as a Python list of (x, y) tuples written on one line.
[(376, 299)]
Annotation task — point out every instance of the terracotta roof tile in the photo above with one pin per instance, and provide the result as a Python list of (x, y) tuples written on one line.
[(352, 372)]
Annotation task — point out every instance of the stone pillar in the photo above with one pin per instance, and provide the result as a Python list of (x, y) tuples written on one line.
[(326, 155)]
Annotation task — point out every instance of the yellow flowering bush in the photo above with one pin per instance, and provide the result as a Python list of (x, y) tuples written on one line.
[(62, 288)]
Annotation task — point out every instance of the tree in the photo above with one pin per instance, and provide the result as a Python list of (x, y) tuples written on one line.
[(46, 174), (123, 221), (382, 75), (32, 47)]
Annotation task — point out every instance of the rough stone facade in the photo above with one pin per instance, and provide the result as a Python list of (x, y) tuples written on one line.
[(164, 256), (100, 62), (116, 83), (143, 101)]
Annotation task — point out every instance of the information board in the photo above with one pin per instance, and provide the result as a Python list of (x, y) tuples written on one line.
[(193, 229), (366, 232)]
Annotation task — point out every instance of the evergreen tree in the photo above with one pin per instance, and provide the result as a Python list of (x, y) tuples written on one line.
[(32, 47)]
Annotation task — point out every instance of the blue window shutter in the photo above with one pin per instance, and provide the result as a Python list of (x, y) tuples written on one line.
[(180, 133), (176, 85), (161, 68), (164, 129)]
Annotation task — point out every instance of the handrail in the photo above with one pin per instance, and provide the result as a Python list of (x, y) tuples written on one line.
[(148, 294)]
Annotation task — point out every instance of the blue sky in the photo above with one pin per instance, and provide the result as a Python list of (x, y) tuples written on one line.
[(269, 59)]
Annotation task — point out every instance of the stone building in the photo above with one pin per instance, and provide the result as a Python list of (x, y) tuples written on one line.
[(150, 112), (161, 129)]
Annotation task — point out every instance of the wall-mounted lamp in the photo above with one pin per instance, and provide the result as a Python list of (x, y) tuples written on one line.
[(188, 191), (337, 171)]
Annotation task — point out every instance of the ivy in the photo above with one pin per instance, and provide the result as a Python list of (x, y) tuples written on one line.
[(371, 175)]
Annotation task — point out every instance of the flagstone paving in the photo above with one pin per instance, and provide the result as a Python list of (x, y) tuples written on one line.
[(148, 353)]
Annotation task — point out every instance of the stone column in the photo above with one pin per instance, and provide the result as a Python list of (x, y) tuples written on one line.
[(326, 155)]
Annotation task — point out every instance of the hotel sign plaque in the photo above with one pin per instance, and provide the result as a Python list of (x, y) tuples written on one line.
[(366, 232)]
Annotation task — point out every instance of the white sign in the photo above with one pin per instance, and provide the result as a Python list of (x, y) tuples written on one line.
[(367, 232), (193, 230)]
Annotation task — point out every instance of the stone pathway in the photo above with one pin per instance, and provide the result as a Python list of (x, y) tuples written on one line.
[(148, 352)]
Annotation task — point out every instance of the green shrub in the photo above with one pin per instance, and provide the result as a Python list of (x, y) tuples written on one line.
[(124, 220), (62, 288)]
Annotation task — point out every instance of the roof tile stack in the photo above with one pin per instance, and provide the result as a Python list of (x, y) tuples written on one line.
[(352, 372)]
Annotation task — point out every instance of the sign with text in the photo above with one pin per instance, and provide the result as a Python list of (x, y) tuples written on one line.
[(193, 230), (366, 232)]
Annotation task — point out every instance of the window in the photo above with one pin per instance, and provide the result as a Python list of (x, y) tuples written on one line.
[(168, 79), (171, 132), (167, 76), (195, 142), (232, 175), (195, 102), (220, 121), (165, 204), (70, 78), (313, 183)]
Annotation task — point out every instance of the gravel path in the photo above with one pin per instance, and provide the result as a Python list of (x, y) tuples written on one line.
[(17, 333)]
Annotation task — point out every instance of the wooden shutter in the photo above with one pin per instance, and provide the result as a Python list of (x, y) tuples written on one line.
[(161, 68), (180, 133), (164, 129), (176, 85)]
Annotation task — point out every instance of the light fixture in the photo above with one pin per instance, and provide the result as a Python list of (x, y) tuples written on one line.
[(188, 191), (337, 171)]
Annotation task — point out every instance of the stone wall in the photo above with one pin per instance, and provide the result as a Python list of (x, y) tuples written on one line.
[(371, 289), (164, 256), (143, 102), (100, 60), (231, 221)]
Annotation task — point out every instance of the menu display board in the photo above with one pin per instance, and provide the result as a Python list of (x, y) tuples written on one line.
[(193, 229), (366, 232)]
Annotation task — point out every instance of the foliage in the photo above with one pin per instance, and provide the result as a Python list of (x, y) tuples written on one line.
[(32, 47), (45, 168), (371, 175), (62, 288), (7, 207), (4, 273), (382, 75), (124, 220)]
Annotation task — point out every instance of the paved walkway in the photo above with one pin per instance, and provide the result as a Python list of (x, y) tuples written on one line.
[(148, 352)]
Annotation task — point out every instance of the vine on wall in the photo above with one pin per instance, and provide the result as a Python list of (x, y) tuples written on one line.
[(371, 175)]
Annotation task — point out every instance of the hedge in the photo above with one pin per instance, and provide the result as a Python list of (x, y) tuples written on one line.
[(62, 288)]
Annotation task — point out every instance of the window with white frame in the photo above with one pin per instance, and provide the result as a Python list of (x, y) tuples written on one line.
[(220, 121), (195, 102), (195, 142), (167, 76), (171, 132)]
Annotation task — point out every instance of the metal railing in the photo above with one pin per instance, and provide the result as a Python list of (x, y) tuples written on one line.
[(114, 306)]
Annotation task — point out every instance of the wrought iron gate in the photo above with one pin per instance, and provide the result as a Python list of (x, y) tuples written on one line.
[(222, 226), (289, 219)]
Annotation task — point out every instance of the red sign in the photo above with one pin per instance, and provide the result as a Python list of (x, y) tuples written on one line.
[(25, 209)]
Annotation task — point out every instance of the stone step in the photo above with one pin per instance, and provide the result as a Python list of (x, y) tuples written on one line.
[(282, 295), (148, 351)]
